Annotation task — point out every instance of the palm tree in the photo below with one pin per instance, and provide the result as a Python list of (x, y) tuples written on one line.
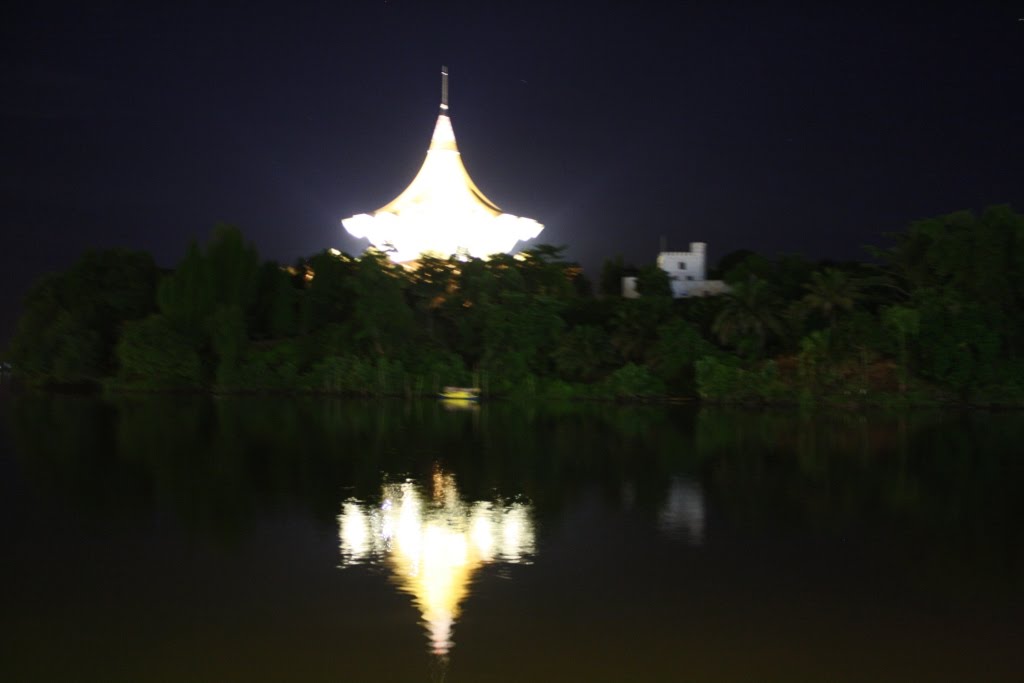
[(906, 323), (748, 316), (831, 291)]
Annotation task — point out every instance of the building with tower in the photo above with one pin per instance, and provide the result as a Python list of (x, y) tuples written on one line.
[(687, 274), (442, 211)]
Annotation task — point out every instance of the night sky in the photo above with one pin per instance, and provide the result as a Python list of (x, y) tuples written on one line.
[(794, 128)]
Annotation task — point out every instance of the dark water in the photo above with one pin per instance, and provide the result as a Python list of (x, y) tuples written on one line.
[(189, 539)]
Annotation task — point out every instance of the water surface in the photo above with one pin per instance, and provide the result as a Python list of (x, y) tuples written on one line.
[(251, 539)]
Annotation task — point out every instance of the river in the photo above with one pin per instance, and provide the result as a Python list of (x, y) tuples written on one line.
[(187, 538)]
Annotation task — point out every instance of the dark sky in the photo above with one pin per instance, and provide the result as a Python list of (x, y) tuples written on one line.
[(800, 127)]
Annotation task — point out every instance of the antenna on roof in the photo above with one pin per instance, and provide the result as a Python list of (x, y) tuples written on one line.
[(444, 87)]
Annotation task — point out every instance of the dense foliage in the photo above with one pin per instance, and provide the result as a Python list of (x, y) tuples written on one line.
[(936, 318)]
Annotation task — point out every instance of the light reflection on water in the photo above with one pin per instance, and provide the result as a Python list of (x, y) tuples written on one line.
[(682, 515), (912, 526), (459, 406), (434, 542)]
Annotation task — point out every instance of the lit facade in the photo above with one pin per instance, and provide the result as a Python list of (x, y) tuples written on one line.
[(686, 273), (442, 212)]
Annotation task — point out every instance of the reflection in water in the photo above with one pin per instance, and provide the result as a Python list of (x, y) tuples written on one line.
[(458, 405), (682, 515), (916, 522), (434, 545)]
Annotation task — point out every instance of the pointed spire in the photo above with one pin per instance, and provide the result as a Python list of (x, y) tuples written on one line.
[(444, 88), (442, 210)]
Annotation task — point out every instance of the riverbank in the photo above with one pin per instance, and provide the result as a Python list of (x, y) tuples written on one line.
[(763, 387), (917, 327)]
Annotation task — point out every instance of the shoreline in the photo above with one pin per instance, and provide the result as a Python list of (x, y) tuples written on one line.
[(878, 401)]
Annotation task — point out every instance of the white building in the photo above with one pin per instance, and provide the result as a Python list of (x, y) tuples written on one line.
[(687, 273), (442, 211)]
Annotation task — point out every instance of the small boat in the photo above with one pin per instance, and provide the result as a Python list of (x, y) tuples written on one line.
[(460, 393)]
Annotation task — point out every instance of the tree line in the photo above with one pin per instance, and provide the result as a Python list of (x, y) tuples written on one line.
[(935, 317)]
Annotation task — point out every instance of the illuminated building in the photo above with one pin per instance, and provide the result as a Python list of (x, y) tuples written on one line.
[(442, 211), (686, 274)]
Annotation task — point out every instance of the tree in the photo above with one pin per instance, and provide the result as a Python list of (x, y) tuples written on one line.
[(583, 354), (429, 286), (545, 271), (963, 273), (274, 313), (729, 261), (612, 272), (71, 321), (960, 344), (635, 326), (328, 297), (980, 256), (225, 275), (233, 267), (829, 292), (790, 274), (525, 326), (381, 319), (185, 296), (153, 353), (736, 270), (748, 317), (905, 322), (227, 337), (652, 281), (679, 346)]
